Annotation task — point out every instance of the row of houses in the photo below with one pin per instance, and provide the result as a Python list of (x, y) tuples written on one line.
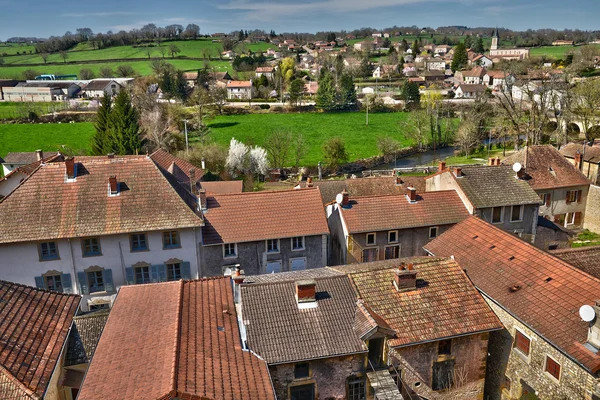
[(47, 91)]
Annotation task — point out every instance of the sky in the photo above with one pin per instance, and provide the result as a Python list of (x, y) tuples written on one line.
[(46, 18)]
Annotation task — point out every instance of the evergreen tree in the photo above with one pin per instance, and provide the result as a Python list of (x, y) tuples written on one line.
[(347, 91), (468, 41), (326, 94), (410, 93), (415, 47), (366, 68), (241, 36), (404, 45), (180, 87), (100, 139), (478, 46), (460, 58), (123, 126)]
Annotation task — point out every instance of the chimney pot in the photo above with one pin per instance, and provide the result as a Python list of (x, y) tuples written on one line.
[(39, 154), (458, 172), (578, 160), (309, 182), (70, 167), (202, 198), (306, 291), (491, 161), (110, 155), (441, 166), (405, 278), (398, 180), (345, 198), (412, 194), (497, 160), (114, 187)]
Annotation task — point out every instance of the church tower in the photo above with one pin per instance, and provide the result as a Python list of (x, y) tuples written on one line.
[(495, 40)]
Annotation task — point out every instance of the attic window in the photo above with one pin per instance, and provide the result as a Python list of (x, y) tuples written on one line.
[(511, 258), (548, 279), (492, 247)]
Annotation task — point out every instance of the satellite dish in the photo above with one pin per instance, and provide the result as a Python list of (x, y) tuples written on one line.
[(339, 198), (517, 167), (587, 313)]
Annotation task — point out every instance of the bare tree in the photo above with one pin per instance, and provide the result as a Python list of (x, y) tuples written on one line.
[(162, 50), (467, 136), (219, 96), (64, 55), (173, 49), (156, 123), (417, 127), (44, 57), (585, 107), (300, 148), (278, 147), (388, 147)]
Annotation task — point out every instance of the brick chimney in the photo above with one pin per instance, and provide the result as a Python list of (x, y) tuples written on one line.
[(306, 293), (398, 181), (345, 198), (594, 331), (491, 161), (497, 161), (458, 172), (309, 182), (202, 199), (39, 154), (114, 186), (578, 160), (411, 194), (70, 167), (238, 277), (405, 278), (441, 166)]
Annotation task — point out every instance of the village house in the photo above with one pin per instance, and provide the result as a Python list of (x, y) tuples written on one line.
[(586, 258), (384, 71), (14, 174), (196, 353), (89, 225), (239, 90), (433, 77), (435, 64), (474, 76), (546, 350), (14, 160), (481, 60), (496, 80), (384, 227), (441, 49), (7, 83), (41, 91), (584, 157), (498, 55), (35, 325), (409, 69), (276, 236), (229, 55), (563, 43), (562, 188), (492, 193), (215, 79), (470, 91), (268, 72), (97, 88)]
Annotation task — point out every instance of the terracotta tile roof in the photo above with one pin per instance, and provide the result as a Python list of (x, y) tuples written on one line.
[(478, 72), (29, 169), (546, 168), (34, 325), (84, 337), (592, 153), (494, 186), (175, 340), (540, 290), (265, 69), (248, 217), (27, 157), (281, 333), (444, 304), (585, 258), (222, 187), (497, 74), (291, 276), (176, 166), (376, 213), (46, 207), (239, 84)]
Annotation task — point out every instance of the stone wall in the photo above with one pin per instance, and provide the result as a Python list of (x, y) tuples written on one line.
[(592, 210), (575, 383), (329, 375)]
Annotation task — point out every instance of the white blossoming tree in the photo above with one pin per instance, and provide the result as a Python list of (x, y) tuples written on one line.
[(243, 159)]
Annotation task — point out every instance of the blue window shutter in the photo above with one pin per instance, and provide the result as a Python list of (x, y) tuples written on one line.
[(129, 276), (39, 282), (108, 281), (83, 285), (185, 270), (67, 283), (162, 272), (154, 273)]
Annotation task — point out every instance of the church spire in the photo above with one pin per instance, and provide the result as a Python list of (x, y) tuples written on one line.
[(496, 33)]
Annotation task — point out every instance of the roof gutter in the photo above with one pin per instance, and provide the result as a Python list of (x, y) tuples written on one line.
[(447, 337), (318, 358)]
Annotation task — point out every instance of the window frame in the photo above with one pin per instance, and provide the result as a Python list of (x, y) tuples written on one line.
[(277, 251), (167, 270), (83, 246), (41, 251), (397, 238), (374, 239), (386, 249), (517, 348), (235, 251), (501, 215), (437, 231), (445, 343), (177, 245), (135, 269), (303, 243), (298, 258), (369, 249), (548, 373), (131, 241), (308, 370), (575, 196), (53, 275), (95, 270), (570, 218), (544, 198), (521, 212), (280, 262), (354, 380)]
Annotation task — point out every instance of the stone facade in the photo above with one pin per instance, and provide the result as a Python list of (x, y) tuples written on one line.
[(509, 370), (469, 354), (253, 258), (592, 210), (329, 376)]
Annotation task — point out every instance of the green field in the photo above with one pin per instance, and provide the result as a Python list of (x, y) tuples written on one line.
[(552, 51), (360, 140), (14, 48), (17, 110), (48, 137)]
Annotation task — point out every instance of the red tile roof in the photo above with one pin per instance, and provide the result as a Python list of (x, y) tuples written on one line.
[(222, 187), (478, 72), (585, 258), (46, 207), (549, 292), (248, 217), (444, 304), (26, 157), (546, 168), (34, 325), (376, 213), (175, 340), (239, 84), (176, 166)]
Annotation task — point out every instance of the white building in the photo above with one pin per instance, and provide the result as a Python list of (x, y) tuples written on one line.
[(239, 89), (100, 87)]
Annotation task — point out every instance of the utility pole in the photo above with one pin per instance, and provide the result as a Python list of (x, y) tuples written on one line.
[(187, 146)]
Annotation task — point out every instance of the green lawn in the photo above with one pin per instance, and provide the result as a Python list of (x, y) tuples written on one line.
[(140, 67), (10, 109), (360, 140), (586, 238), (48, 137), (14, 48), (556, 51)]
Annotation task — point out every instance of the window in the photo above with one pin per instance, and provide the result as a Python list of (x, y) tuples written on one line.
[(48, 251), (370, 238), (302, 392), (392, 252), (297, 264), (496, 215), (91, 247), (369, 255), (95, 281), (356, 389), (572, 196), (173, 271), (139, 242), (433, 232), (53, 282), (552, 367), (171, 240), (298, 243), (570, 218), (273, 246), (273, 266), (516, 213), (301, 370), (522, 342), (229, 250), (445, 347), (545, 199), (142, 274), (442, 375), (393, 237)]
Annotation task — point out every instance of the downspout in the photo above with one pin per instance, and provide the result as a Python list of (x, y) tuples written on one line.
[(73, 266)]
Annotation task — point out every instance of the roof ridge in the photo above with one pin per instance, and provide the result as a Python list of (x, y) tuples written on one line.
[(574, 249), (300, 278), (267, 192)]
